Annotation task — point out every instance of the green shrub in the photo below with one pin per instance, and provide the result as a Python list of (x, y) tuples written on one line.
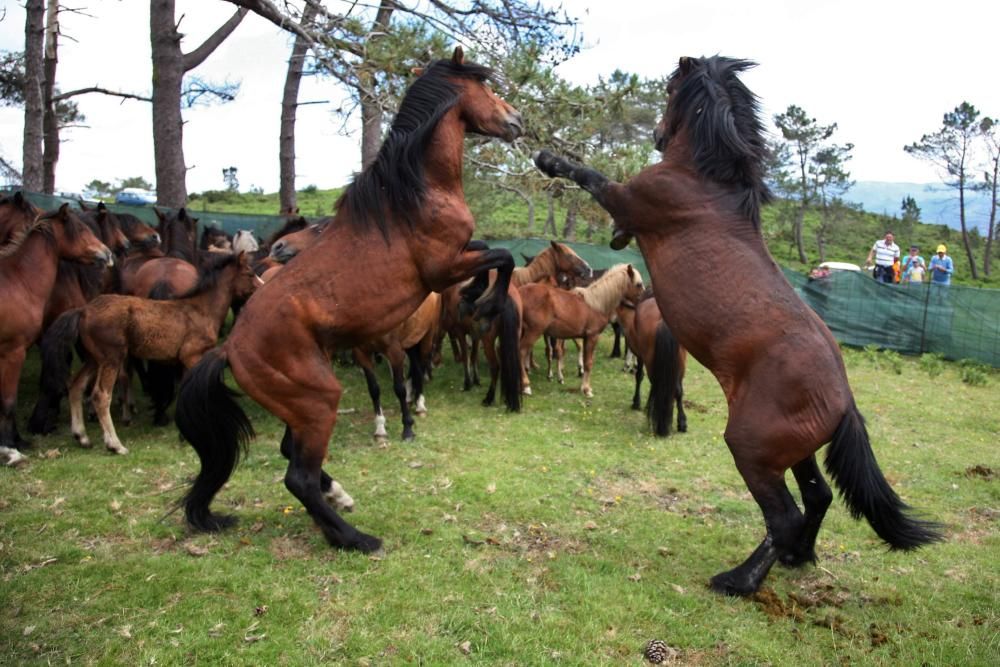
[(893, 360), (932, 363), (974, 373)]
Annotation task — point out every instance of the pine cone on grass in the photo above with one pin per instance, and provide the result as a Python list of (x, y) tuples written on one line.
[(656, 651)]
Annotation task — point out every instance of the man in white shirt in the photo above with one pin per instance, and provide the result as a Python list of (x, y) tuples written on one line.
[(885, 253)]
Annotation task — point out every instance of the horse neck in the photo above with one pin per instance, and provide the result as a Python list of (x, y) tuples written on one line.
[(36, 260), (214, 303), (445, 152), (605, 295), (541, 267)]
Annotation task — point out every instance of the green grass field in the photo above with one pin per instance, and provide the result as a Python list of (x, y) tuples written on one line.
[(562, 535)]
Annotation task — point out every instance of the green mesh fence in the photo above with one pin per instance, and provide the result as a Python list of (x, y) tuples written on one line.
[(958, 322)]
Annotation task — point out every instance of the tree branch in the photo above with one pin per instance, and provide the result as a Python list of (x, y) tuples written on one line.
[(96, 89), (198, 56)]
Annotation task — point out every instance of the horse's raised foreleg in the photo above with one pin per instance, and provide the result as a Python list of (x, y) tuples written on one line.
[(332, 490), (816, 497), (591, 180), (782, 519)]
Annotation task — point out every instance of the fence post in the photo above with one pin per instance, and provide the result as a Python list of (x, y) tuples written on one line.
[(923, 326)]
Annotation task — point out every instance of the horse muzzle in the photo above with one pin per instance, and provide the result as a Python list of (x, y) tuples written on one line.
[(104, 256), (515, 127)]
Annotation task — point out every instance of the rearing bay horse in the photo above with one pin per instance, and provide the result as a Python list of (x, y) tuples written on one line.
[(402, 230), (778, 364)]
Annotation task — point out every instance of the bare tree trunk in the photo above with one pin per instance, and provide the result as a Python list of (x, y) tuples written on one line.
[(797, 229), (527, 200), (50, 122), (965, 232), (289, 107), (550, 218), (169, 66), (371, 110), (569, 228), (991, 230), (34, 41)]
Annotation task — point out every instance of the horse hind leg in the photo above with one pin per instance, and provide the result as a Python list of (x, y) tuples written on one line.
[(816, 497), (103, 388), (783, 521), (77, 388), (304, 479), (399, 387), (331, 488)]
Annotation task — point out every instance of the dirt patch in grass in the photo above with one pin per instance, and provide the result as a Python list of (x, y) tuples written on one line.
[(531, 541), (981, 472), (287, 548)]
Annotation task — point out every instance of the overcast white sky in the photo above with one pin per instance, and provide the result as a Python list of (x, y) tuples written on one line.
[(885, 71)]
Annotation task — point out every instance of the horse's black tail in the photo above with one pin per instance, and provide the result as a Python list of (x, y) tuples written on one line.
[(663, 373), (852, 465), (509, 333), (57, 361), (212, 421)]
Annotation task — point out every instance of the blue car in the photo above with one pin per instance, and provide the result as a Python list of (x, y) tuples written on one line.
[(135, 197)]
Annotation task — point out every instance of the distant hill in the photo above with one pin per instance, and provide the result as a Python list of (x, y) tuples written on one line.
[(938, 204)]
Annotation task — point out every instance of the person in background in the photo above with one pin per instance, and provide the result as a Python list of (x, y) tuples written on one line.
[(941, 267), (916, 273), (885, 253), (912, 261)]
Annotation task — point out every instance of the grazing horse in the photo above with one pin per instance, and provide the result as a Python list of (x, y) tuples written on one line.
[(114, 327), (414, 338), (779, 366), (28, 266), (583, 313), (652, 342), (402, 230)]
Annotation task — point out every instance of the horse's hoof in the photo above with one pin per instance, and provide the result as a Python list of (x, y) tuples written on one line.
[(365, 543), (488, 401), (119, 450), (213, 523), (526, 391), (620, 239), (14, 458), (83, 441), (409, 435), (797, 559), (727, 584), (636, 406)]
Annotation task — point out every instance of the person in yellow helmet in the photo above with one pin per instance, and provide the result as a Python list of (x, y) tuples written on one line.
[(941, 267)]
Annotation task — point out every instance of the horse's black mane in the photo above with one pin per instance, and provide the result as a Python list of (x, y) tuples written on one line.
[(393, 185), (721, 116)]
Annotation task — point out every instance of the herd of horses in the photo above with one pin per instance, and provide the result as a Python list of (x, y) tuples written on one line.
[(396, 269)]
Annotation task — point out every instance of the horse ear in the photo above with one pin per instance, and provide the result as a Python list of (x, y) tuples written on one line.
[(83, 205), (685, 65), (458, 57), (631, 271), (555, 246), (160, 214), (64, 211), (100, 206)]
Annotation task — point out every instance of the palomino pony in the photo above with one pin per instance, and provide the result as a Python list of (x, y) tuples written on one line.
[(28, 265), (658, 353), (778, 364), (414, 338), (402, 230), (583, 313), (114, 327)]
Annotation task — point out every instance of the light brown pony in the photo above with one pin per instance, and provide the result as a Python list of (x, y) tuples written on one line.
[(583, 313), (779, 366), (659, 355), (114, 327), (414, 338), (402, 230), (28, 266)]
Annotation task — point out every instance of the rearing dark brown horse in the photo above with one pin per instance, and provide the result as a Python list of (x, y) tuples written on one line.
[(402, 230), (778, 364)]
